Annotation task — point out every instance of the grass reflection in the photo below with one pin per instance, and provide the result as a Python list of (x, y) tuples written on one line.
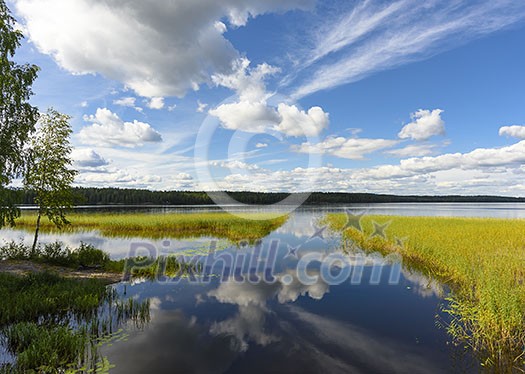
[(483, 262)]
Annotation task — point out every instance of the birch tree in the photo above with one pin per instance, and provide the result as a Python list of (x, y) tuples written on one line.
[(49, 173), (17, 116)]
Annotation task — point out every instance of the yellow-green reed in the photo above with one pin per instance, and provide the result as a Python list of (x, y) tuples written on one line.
[(481, 259), (250, 226)]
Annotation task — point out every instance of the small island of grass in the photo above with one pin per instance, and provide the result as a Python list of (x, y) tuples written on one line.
[(248, 226)]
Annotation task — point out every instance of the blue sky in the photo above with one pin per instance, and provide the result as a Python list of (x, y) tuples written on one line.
[(404, 97)]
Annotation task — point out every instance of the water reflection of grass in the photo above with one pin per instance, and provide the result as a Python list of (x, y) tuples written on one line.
[(483, 260), (250, 226)]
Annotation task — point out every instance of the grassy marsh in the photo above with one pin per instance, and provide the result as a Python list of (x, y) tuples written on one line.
[(482, 260), (250, 226), (51, 324)]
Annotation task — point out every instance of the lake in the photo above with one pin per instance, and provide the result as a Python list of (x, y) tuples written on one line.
[(290, 303)]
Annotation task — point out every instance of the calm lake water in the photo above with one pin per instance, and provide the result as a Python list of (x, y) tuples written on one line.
[(380, 318)]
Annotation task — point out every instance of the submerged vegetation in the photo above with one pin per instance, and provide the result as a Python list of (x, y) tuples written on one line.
[(50, 324), (47, 298), (483, 262), (251, 226), (43, 349)]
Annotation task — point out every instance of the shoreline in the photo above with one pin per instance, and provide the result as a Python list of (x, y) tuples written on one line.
[(25, 267)]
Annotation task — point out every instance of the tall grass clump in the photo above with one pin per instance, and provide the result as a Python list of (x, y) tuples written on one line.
[(251, 226), (483, 262), (51, 324), (47, 297), (45, 349)]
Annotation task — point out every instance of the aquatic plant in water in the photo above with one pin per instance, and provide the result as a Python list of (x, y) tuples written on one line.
[(483, 263), (49, 323)]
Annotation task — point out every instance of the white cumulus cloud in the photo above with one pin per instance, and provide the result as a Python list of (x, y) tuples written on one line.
[(247, 82), (87, 158), (480, 158), (252, 113), (246, 116), (296, 122), (425, 124), (107, 129), (258, 117), (513, 131), (156, 103), (157, 48)]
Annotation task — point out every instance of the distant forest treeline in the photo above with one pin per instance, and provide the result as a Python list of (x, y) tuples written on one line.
[(110, 196)]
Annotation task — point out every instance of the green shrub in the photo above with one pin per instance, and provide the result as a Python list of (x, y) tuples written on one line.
[(57, 254), (15, 251), (54, 254), (88, 256)]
